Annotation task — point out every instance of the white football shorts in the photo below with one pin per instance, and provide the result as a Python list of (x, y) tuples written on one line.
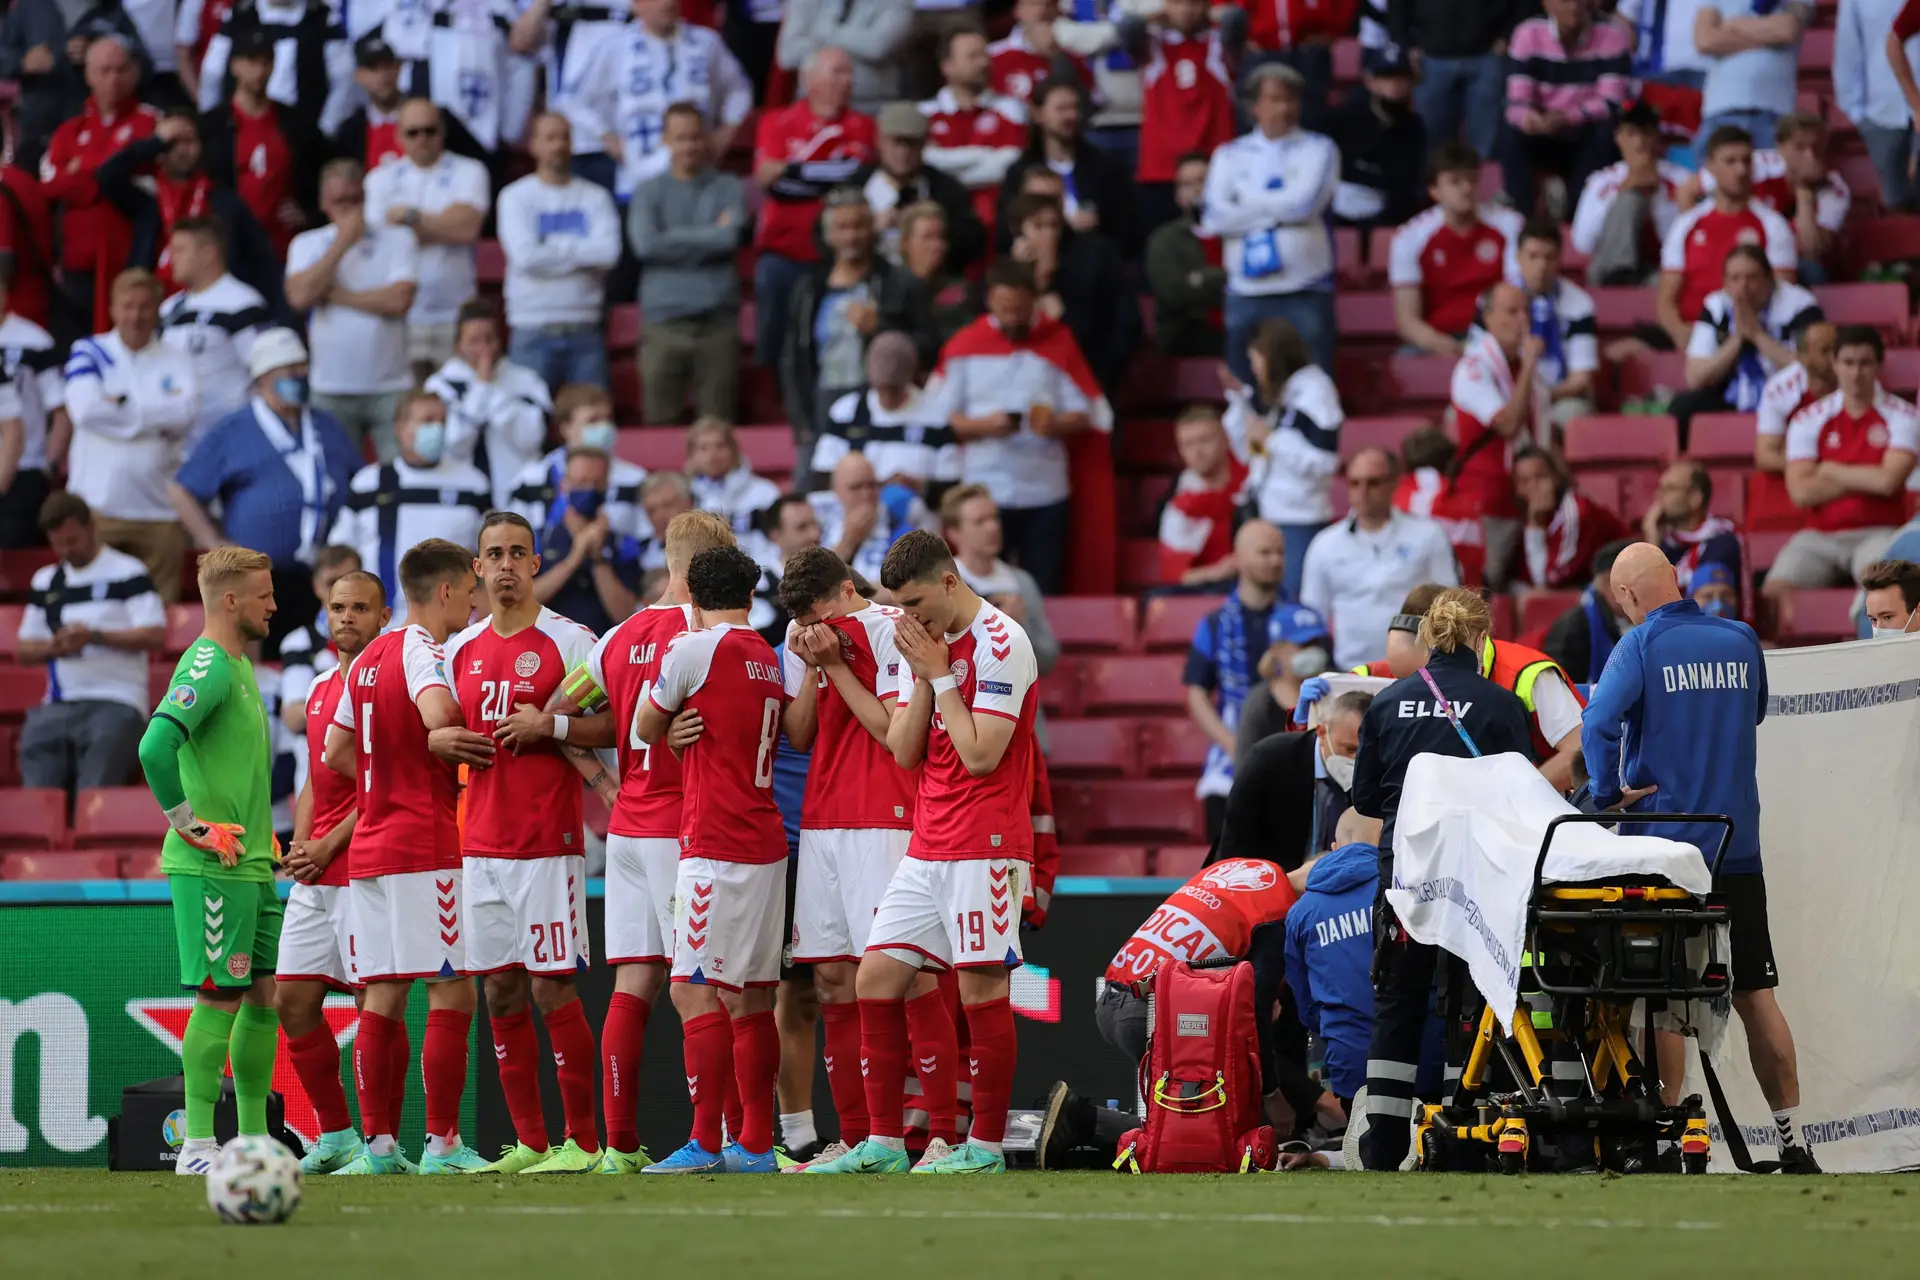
[(727, 922), (952, 915), (641, 871), (526, 913), (842, 876), (315, 935), (406, 925)]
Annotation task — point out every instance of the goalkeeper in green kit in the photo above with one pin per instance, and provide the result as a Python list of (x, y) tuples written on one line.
[(207, 758)]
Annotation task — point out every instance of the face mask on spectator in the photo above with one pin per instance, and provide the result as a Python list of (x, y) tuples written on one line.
[(430, 441), (1719, 609), (599, 435), (1309, 662), (587, 502), (294, 390), (1889, 633)]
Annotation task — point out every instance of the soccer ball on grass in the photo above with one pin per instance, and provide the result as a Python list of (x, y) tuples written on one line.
[(254, 1180)]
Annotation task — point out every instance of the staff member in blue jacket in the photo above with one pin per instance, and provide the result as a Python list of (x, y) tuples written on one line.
[(1448, 708), (1672, 727), (1330, 953)]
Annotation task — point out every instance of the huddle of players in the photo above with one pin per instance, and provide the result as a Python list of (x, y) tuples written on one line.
[(915, 843)]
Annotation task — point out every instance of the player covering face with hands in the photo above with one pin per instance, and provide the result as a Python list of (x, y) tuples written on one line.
[(207, 761)]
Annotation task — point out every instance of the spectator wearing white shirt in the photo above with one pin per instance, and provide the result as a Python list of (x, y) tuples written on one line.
[(92, 618), (1293, 445), (359, 278), (1267, 195), (392, 506), (722, 480), (1360, 569), (1873, 57), (496, 409), (563, 35), (1787, 392), (1625, 209), (442, 199), (1746, 331), (35, 442), (459, 54), (971, 522), (213, 319), (632, 77), (133, 399), (890, 421), (1560, 314), (857, 522), (583, 415), (561, 236)]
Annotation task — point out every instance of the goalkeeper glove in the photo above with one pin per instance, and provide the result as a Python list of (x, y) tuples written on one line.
[(222, 839)]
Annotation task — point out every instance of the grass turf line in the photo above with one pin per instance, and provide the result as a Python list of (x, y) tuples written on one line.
[(96, 1224)]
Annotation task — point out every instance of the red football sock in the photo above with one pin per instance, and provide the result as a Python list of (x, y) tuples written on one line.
[(399, 1068), (843, 1069), (730, 1098), (573, 1056), (756, 1069), (316, 1060), (622, 1040), (993, 1053), (708, 1042), (883, 1064), (936, 1061), (517, 1049), (373, 1059), (443, 1064)]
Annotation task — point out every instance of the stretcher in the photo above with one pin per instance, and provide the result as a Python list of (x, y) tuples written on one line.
[(1601, 957)]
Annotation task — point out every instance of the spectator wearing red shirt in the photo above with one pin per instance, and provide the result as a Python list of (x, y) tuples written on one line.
[(261, 148), (1444, 261), (1792, 179), (1787, 392), (1427, 489), (1848, 459), (1031, 55), (1186, 93), (1196, 525), (1561, 528), (94, 235), (1694, 254), (800, 152), (26, 244), (1498, 405), (973, 133), (1299, 33)]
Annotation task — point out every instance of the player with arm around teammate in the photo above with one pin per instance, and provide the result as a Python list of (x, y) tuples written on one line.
[(208, 762), (315, 938), (967, 701), (405, 888)]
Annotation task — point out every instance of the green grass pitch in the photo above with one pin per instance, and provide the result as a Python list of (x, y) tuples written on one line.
[(1057, 1226)]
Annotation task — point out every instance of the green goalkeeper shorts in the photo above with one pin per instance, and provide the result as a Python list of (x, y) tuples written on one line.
[(227, 930)]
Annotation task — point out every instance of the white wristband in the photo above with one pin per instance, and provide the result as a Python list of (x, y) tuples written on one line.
[(941, 684), (560, 724), (180, 817)]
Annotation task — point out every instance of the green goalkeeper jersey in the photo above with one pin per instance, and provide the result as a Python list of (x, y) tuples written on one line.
[(226, 764)]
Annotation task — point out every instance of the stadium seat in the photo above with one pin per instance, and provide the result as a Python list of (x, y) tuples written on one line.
[(1763, 547), (1060, 688), (1139, 563), (21, 688), (185, 622), (10, 617), (1538, 608), (490, 263), (1882, 305), (1621, 438), (1131, 684), (1085, 624), (766, 448), (1721, 437), (1092, 748), (1119, 812), (1816, 55), (1103, 860), (1879, 240), (112, 816), (1644, 373), (1173, 746), (9, 758), (1196, 378), (1147, 444), (1346, 61), (141, 864), (1180, 860), (1171, 620), (17, 569), (1901, 372), (623, 326), (64, 865), (1350, 268), (1618, 308), (1383, 432), (1424, 378), (1141, 500), (1501, 607), (33, 818), (1364, 315), (1602, 486), (1817, 616), (655, 448)]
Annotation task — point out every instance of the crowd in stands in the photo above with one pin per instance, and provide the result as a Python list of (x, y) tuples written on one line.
[(1337, 299)]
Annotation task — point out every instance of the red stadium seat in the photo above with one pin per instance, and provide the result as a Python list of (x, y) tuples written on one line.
[(1426, 378), (20, 689), (1180, 860), (623, 327), (10, 617), (1617, 308), (1721, 437), (1890, 239), (185, 622), (1816, 54), (655, 448), (1131, 684), (1086, 624), (33, 818), (1195, 378), (1141, 499), (1640, 374), (1092, 748), (623, 380), (60, 866), (1346, 61), (1171, 620), (1901, 371), (113, 816), (1119, 812), (1621, 438), (159, 677), (9, 758), (1817, 616), (1103, 860), (141, 864), (1060, 688), (490, 263), (17, 569), (1501, 607), (1602, 486), (767, 449), (1139, 563), (1147, 444), (1539, 608), (1882, 305), (1383, 433), (1764, 547), (1573, 263), (1729, 494), (1350, 267), (1173, 746), (1364, 315)]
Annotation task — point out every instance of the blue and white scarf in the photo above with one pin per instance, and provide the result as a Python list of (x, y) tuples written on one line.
[(1230, 665)]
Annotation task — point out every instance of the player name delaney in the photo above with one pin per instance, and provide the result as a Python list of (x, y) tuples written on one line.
[(761, 671), (1685, 677)]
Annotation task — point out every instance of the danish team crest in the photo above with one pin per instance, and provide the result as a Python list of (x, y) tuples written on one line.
[(526, 665), (959, 670), (1242, 875), (1486, 251)]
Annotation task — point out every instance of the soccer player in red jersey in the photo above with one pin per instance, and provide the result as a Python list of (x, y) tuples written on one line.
[(524, 873), (404, 893), (315, 937), (967, 701), (843, 677), (730, 893), (643, 836)]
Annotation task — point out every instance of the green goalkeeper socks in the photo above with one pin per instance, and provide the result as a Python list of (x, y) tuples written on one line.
[(203, 1055), (256, 1039)]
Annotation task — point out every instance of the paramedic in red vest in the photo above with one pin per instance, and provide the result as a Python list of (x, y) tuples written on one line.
[(1848, 459), (94, 236)]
